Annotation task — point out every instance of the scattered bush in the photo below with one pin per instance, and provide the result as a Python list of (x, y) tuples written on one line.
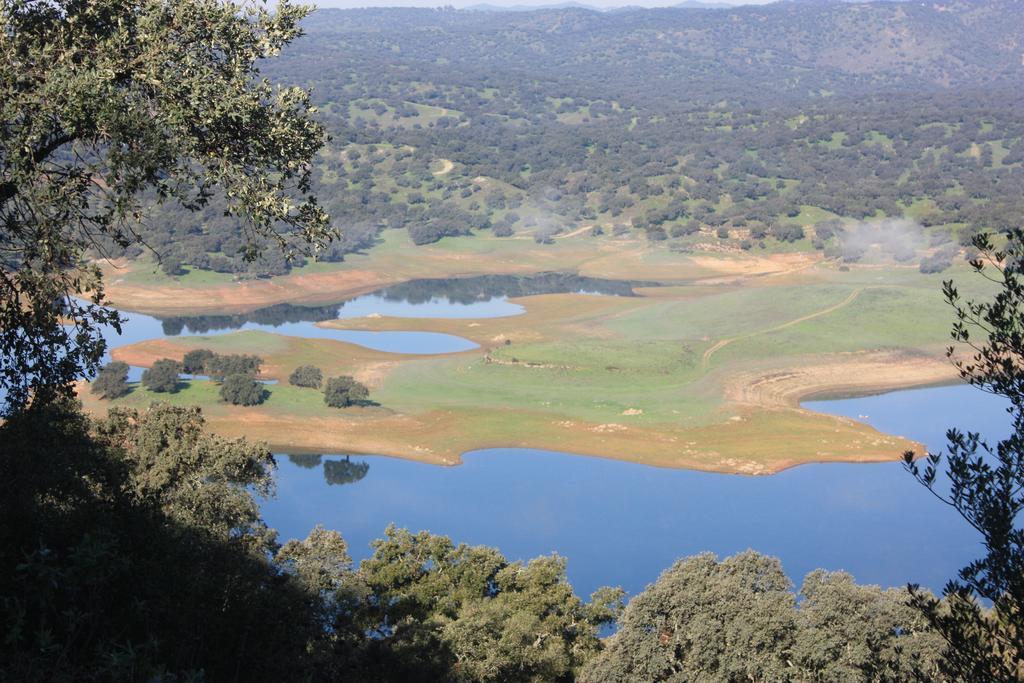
[(111, 381), (306, 376), (758, 231), (656, 234), (344, 391), (194, 362), (163, 376), (788, 232), (242, 389), (218, 367), (683, 229)]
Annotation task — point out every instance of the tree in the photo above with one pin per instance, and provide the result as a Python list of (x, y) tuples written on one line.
[(162, 376), (109, 103), (242, 390), (986, 481), (306, 376), (111, 381), (466, 613), (850, 632), (704, 619), (194, 362), (120, 534), (344, 391), (220, 366)]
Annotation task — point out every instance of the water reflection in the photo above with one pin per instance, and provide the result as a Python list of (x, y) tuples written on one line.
[(466, 290), (336, 472), (341, 472), (470, 297)]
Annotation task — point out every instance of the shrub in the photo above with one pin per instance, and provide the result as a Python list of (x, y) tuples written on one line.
[(306, 376), (344, 391), (683, 229), (111, 381), (219, 367), (194, 362), (163, 376), (242, 389), (788, 232), (656, 234)]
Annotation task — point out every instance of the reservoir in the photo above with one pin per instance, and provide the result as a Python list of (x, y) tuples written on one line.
[(617, 523), (622, 523)]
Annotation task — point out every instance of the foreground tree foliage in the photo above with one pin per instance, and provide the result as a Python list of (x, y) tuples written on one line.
[(986, 480), (118, 539), (104, 102), (738, 620)]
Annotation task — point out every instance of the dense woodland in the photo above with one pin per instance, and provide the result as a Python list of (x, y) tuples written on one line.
[(748, 128)]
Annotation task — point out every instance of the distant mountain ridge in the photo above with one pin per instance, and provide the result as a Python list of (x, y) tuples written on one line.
[(685, 4), (801, 47)]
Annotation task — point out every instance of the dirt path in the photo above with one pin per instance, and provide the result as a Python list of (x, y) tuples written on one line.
[(446, 167), (722, 343), (578, 231)]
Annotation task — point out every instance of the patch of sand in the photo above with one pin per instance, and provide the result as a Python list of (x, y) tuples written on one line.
[(838, 375), (446, 167)]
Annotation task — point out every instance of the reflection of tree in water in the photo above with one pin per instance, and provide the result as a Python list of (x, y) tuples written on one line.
[(305, 460), (271, 315), (466, 290), (340, 472)]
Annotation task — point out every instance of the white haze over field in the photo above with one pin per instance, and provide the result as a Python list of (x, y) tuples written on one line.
[(872, 241), (527, 4)]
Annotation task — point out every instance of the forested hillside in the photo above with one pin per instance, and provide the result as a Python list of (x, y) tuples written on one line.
[(768, 127)]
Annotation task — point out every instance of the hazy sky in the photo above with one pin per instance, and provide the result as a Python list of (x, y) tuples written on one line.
[(522, 3)]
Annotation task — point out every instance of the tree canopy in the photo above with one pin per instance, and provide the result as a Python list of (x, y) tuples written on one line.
[(107, 103), (162, 377), (344, 391), (242, 389), (306, 376), (111, 381)]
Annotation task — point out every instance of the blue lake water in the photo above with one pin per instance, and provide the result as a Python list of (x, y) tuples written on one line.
[(622, 524)]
